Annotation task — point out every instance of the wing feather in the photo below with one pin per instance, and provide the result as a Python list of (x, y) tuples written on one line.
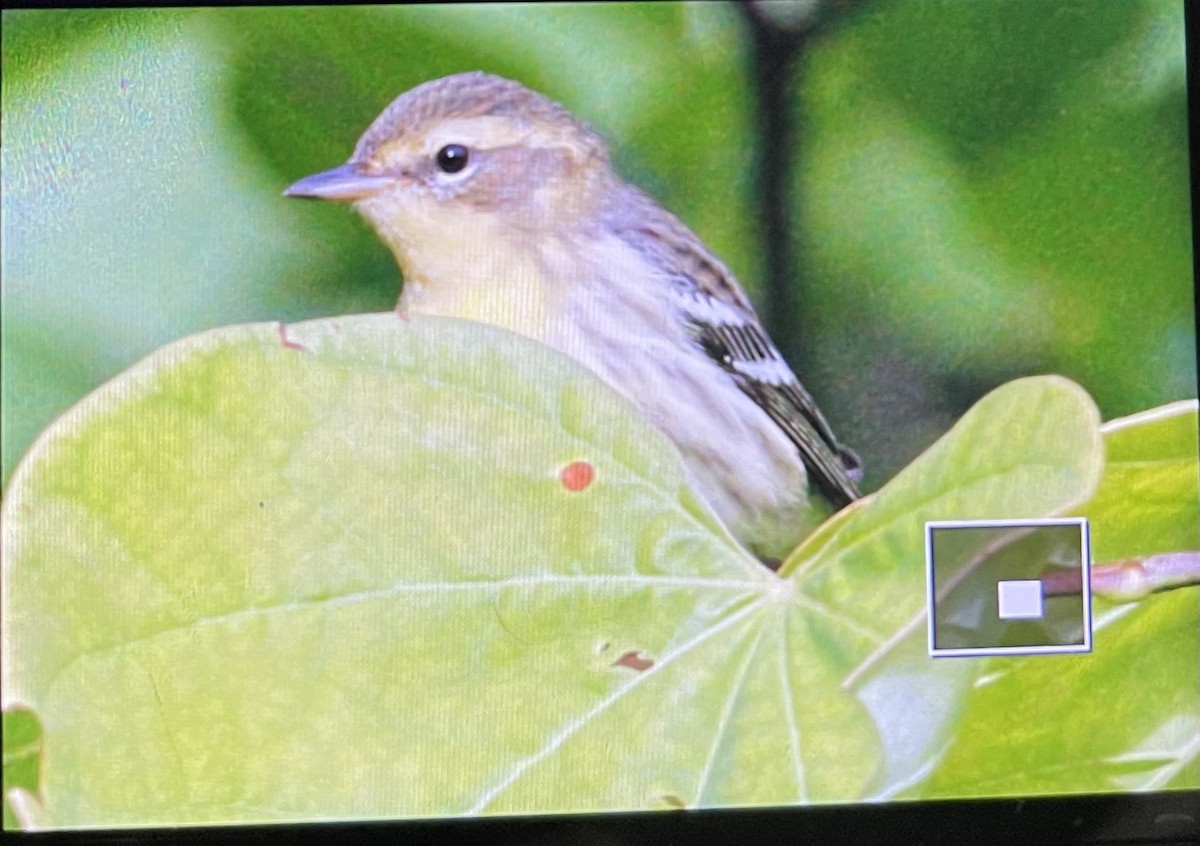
[(831, 466)]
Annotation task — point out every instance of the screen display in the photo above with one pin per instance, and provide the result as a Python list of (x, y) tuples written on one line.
[(648, 407)]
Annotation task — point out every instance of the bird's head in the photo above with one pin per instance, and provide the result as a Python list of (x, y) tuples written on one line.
[(464, 154)]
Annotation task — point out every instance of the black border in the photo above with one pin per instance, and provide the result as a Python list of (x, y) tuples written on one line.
[(1158, 818)]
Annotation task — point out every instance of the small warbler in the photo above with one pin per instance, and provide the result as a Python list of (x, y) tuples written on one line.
[(502, 207)]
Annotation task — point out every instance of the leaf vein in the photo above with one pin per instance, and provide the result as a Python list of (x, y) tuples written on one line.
[(574, 726), (722, 727)]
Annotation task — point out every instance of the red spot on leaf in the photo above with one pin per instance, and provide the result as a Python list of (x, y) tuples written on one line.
[(577, 475), (634, 660), (288, 343)]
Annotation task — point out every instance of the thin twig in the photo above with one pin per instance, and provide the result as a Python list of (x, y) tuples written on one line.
[(1131, 579)]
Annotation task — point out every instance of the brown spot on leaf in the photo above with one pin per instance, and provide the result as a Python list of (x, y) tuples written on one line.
[(634, 660), (673, 801), (577, 475), (288, 343)]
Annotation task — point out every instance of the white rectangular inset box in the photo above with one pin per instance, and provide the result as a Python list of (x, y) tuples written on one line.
[(1067, 622), (1020, 599)]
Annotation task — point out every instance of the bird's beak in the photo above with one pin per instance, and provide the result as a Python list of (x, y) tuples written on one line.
[(344, 183)]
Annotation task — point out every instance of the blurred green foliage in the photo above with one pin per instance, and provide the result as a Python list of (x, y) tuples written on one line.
[(982, 191), (995, 189)]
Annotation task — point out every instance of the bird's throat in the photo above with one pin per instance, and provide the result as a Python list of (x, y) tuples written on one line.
[(489, 282)]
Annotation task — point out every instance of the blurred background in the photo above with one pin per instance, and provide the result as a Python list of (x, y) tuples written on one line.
[(959, 194)]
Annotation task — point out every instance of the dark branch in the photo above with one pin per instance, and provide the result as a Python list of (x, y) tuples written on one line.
[(779, 32)]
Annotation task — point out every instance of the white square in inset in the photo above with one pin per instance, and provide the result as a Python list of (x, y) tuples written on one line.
[(1020, 600)]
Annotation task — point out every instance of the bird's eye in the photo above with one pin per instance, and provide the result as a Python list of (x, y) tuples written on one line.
[(452, 158)]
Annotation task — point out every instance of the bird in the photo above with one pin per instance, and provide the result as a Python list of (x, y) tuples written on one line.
[(502, 207)]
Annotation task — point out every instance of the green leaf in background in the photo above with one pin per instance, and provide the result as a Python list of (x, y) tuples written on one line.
[(1124, 717), (1146, 503), (22, 759), (1127, 715), (281, 572)]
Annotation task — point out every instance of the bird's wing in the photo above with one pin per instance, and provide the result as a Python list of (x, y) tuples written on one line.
[(742, 349), (722, 323)]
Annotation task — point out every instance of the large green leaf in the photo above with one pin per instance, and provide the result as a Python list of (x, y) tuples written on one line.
[(339, 569)]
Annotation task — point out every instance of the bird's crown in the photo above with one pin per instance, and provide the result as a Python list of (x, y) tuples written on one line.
[(514, 110)]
